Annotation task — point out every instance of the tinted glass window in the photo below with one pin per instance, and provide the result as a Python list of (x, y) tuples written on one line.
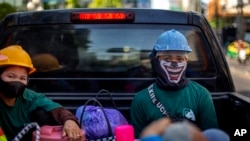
[(90, 57)]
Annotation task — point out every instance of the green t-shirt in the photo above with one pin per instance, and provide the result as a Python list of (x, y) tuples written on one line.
[(13, 119), (193, 102)]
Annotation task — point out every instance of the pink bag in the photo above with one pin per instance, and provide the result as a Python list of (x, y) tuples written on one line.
[(52, 133)]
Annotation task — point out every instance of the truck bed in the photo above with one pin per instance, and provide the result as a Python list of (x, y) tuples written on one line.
[(232, 111)]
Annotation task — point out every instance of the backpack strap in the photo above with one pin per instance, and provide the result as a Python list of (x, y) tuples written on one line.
[(161, 108), (156, 102), (104, 91), (26, 129)]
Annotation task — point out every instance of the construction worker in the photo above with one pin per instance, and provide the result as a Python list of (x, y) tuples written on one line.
[(172, 95), (17, 102), (47, 65)]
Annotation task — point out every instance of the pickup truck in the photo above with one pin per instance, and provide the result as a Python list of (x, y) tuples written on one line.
[(94, 49)]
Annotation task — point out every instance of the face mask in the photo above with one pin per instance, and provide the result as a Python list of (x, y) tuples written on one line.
[(12, 89), (173, 70), (169, 75)]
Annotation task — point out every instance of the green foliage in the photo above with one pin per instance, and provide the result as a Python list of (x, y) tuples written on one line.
[(105, 3), (72, 4), (221, 22), (5, 9)]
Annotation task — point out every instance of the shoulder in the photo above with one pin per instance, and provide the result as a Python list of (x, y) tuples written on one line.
[(197, 86), (196, 89), (141, 97), (141, 94), (31, 95)]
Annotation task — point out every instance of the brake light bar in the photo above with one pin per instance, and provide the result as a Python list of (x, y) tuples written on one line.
[(102, 16)]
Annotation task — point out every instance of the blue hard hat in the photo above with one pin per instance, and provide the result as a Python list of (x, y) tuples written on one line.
[(171, 40)]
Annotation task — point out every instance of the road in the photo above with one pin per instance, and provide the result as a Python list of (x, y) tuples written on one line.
[(241, 76)]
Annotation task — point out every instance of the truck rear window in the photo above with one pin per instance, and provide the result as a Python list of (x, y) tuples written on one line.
[(96, 56)]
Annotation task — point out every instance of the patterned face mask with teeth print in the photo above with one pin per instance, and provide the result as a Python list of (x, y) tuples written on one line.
[(173, 70), (170, 75)]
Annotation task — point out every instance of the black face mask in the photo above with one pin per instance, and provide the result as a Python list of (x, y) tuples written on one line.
[(162, 79), (12, 89)]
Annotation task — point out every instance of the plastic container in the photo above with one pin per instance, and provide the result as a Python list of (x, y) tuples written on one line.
[(124, 133), (2, 135), (53, 133)]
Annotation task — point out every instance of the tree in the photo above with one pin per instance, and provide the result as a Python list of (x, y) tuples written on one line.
[(105, 3), (72, 4), (5, 9), (220, 22)]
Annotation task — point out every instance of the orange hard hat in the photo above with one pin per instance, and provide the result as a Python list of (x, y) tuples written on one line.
[(46, 62), (15, 55)]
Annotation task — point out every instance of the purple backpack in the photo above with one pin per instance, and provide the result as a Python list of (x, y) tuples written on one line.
[(99, 122)]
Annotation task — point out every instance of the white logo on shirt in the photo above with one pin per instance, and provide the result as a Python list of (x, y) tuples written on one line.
[(189, 114)]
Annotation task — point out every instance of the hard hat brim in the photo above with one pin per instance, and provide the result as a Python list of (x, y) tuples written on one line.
[(30, 69)]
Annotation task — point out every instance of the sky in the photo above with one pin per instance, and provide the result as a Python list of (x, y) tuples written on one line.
[(205, 1)]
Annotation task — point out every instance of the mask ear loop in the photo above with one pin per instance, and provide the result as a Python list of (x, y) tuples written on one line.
[(28, 76), (28, 80)]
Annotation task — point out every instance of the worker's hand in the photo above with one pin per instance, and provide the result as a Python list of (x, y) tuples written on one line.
[(72, 130), (156, 127)]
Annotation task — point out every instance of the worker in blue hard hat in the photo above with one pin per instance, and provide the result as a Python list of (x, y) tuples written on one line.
[(172, 95)]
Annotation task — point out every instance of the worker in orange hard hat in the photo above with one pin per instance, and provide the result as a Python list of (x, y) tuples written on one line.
[(46, 62), (17, 102), (47, 65)]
